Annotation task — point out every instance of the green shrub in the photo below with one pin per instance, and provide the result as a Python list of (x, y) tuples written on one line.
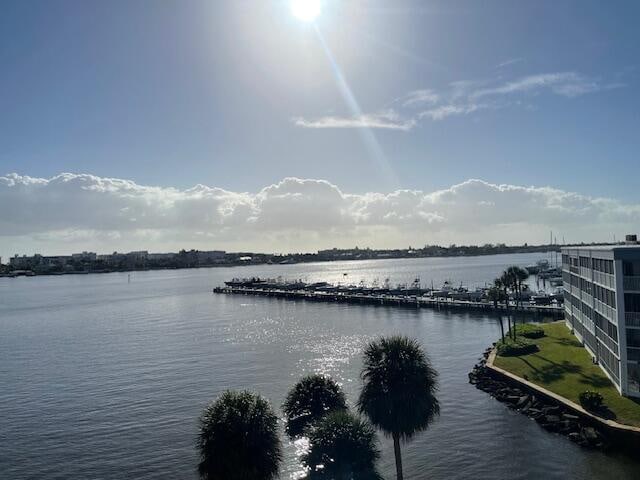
[(512, 348), (591, 401), (529, 330)]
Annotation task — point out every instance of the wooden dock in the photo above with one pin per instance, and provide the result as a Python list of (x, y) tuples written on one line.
[(553, 311)]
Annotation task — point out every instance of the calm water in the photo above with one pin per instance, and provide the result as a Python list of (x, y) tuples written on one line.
[(103, 379)]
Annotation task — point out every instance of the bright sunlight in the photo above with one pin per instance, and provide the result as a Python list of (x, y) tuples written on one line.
[(306, 10)]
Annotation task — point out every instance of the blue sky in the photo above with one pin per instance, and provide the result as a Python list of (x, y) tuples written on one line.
[(374, 96)]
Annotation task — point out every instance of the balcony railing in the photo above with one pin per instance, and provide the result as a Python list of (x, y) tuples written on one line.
[(632, 319), (631, 283), (604, 279)]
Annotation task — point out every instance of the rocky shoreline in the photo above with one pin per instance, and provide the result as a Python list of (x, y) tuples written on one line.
[(550, 415)]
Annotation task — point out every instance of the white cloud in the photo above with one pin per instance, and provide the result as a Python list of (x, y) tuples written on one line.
[(444, 111), (511, 61), (385, 120), (72, 212), (462, 98), (420, 97), (569, 84)]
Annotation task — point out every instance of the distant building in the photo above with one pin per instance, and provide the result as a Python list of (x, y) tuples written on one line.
[(161, 256), (602, 306), (38, 262), (84, 257), (22, 262), (59, 260), (210, 257)]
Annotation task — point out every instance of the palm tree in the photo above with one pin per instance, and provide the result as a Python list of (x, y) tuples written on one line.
[(518, 275), (521, 275), (506, 280), (495, 294), (239, 439), (342, 447), (513, 277), (309, 400), (399, 391)]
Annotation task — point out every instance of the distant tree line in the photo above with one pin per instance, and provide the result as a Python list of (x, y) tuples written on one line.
[(43, 265)]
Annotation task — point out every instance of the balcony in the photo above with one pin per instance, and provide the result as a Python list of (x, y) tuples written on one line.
[(631, 283), (604, 279), (632, 319)]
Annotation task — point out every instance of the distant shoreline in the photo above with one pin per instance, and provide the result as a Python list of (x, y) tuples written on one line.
[(307, 258)]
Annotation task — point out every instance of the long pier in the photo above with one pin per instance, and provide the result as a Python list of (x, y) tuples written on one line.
[(553, 311)]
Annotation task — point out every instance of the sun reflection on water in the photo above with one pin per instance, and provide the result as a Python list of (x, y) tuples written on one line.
[(330, 354), (301, 446)]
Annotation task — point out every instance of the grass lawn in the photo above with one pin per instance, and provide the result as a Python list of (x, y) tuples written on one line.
[(563, 366)]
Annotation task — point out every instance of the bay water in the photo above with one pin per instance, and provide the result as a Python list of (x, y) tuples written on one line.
[(104, 378)]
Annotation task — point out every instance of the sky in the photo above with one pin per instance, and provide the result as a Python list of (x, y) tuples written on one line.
[(238, 125)]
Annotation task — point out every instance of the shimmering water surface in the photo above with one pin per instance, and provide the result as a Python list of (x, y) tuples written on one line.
[(105, 379)]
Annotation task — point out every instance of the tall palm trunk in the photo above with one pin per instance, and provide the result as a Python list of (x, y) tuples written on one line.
[(520, 299), (501, 329), (396, 451), (516, 285), (506, 305), (520, 294)]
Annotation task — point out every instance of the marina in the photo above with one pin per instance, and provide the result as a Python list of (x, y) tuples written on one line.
[(446, 298)]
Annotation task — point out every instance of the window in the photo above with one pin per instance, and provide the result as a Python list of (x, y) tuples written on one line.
[(631, 269), (604, 266), (633, 338), (632, 302), (606, 326), (605, 295), (585, 286), (633, 354), (633, 377)]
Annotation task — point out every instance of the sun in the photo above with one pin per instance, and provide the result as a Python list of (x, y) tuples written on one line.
[(306, 10)]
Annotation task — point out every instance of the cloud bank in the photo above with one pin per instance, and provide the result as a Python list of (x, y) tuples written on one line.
[(74, 212), (463, 98)]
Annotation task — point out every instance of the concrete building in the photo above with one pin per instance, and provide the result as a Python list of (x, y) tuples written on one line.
[(22, 262), (84, 257), (602, 307), (161, 256)]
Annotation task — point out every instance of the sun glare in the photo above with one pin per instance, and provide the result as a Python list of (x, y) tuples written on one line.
[(305, 10)]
